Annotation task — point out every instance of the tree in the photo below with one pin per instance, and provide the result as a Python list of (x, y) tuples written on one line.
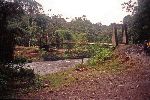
[(42, 23), (130, 6), (15, 18), (81, 25), (31, 9), (144, 19), (140, 19), (8, 11), (84, 26), (64, 36)]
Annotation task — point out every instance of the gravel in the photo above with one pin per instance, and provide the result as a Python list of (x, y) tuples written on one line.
[(48, 67)]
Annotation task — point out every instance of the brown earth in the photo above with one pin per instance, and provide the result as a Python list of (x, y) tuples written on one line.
[(133, 83)]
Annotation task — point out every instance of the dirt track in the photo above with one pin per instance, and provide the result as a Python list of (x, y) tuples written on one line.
[(132, 84)]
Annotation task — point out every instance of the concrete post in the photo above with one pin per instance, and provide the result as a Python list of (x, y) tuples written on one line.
[(124, 32), (114, 36)]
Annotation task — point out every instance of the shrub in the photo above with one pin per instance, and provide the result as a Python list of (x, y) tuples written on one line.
[(20, 59), (99, 55), (14, 75)]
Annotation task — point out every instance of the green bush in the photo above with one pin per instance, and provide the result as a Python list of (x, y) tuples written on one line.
[(14, 75), (99, 54), (20, 59), (92, 49)]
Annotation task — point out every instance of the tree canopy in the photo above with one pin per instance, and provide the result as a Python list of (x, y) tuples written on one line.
[(139, 21)]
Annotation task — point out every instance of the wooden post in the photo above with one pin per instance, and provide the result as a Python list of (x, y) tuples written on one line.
[(124, 32), (114, 36)]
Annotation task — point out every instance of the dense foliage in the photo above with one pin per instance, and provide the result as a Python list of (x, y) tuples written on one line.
[(8, 11), (15, 75), (16, 19), (138, 22), (99, 54)]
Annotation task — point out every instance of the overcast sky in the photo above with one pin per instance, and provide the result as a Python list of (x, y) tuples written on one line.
[(104, 11)]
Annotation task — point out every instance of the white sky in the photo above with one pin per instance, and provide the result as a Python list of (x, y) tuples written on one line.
[(104, 11)]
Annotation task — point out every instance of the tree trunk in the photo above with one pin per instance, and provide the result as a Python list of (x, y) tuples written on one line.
[(7, 43)]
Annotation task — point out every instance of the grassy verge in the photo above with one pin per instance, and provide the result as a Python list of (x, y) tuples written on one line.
[(59, 79)]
